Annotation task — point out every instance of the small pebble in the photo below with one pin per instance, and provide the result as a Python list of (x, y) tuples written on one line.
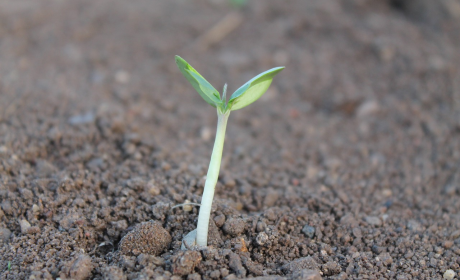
[(261, 238), (368, 108), (35, 209), (219, 220), (25, 225), (187, 207), (309, 231), (449, 274)]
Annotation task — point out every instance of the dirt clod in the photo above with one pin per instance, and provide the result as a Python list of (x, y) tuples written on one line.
[(331, 268), (147, 237), (300, 264), (235, 264), (79, 269), (184, 262), (234, 226)]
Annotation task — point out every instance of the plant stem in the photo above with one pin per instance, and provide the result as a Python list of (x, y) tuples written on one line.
[(211, 180)]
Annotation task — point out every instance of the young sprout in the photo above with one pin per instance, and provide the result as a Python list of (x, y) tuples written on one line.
[(242, 97)]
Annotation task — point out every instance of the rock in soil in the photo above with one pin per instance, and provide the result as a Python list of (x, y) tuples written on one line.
[(309, 231), (25, 225), (449, 274), (147, 237), (261, 238)]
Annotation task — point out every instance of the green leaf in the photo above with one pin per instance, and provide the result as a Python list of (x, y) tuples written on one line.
[(253, 89), (203, 87)]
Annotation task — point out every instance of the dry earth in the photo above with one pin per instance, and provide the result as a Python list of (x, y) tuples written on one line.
[(348, 168)]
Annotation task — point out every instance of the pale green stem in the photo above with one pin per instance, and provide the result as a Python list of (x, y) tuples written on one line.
[(211, 180)]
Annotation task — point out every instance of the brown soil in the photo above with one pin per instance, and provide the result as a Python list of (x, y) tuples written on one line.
[(348, 168)]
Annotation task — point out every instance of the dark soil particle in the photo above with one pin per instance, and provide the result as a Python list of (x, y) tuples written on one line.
[(347, 168)]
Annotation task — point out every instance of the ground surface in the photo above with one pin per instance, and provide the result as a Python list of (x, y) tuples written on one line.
[(348, 166)]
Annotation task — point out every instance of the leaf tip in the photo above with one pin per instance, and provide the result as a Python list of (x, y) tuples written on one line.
[(179, 60)]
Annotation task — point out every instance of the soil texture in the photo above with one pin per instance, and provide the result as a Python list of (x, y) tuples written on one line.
[(347, 168)]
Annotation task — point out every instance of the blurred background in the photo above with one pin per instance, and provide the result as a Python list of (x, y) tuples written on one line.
[(363, 79)]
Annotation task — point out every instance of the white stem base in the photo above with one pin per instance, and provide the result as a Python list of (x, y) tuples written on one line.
[(211, 180)]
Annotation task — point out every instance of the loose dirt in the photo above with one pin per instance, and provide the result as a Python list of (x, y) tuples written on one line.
[(347, 168)]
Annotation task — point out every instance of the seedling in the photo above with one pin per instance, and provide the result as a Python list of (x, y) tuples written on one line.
[(242, 97)]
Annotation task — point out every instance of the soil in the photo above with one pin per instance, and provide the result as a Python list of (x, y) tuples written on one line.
[(347, 168)]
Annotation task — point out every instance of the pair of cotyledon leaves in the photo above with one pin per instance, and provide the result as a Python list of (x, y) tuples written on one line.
[(242, 97)]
